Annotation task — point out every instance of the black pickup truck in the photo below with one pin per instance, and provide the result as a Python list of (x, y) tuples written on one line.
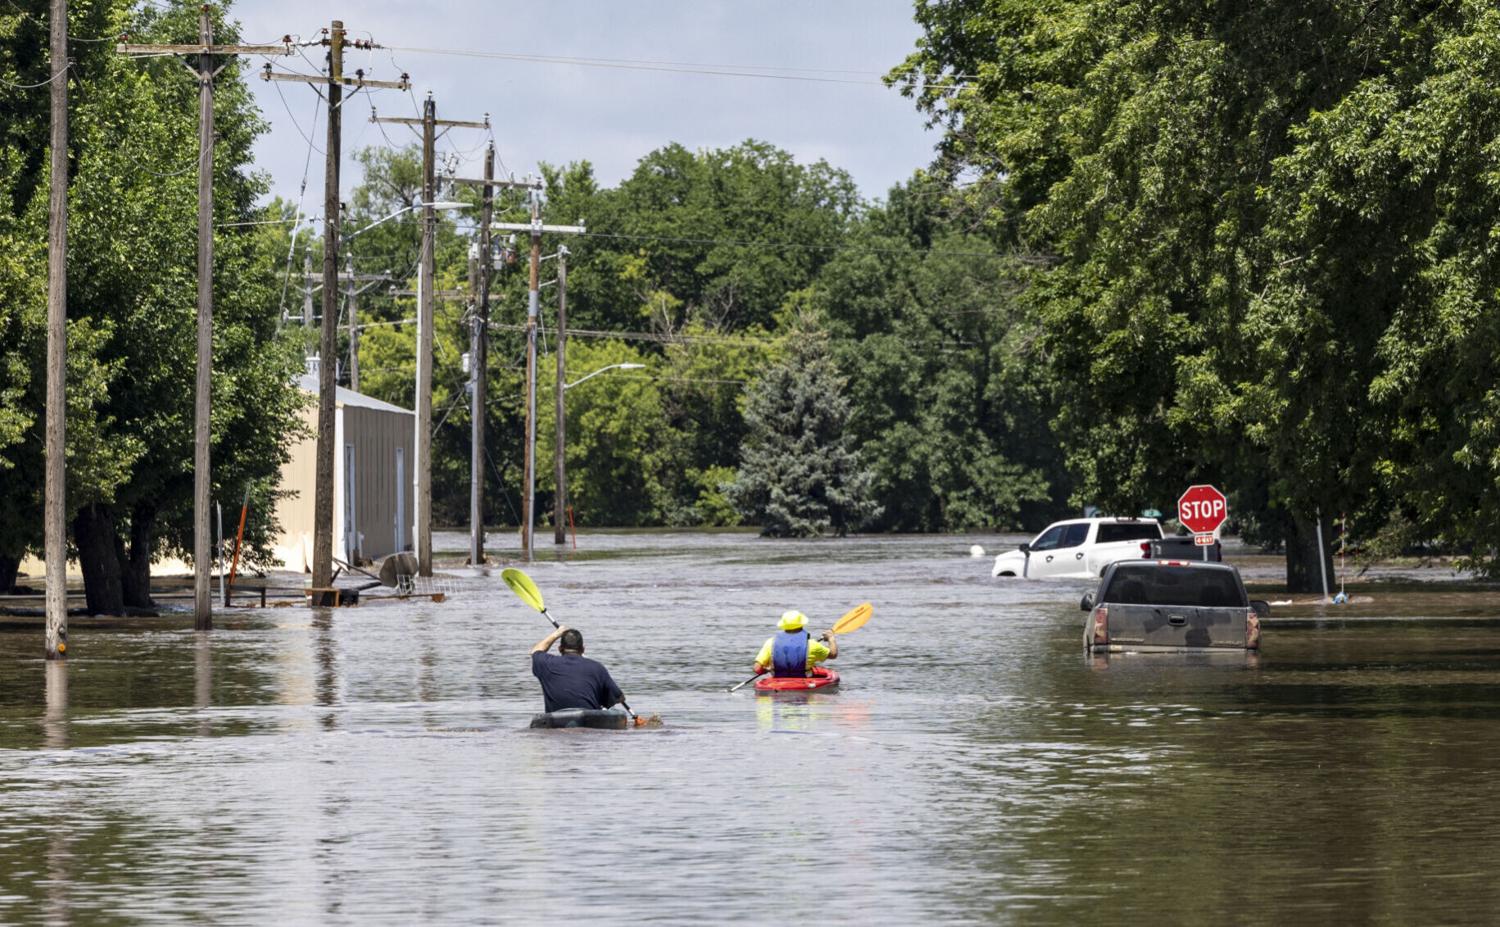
[(1182, 547), (1150, 605)]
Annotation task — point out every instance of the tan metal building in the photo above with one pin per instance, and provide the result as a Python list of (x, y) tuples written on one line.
[(372, 481)]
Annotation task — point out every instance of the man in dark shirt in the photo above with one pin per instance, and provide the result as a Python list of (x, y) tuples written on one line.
[(571, 680)]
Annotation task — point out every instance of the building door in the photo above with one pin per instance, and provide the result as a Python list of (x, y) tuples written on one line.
[(400, 498), (351, 526)]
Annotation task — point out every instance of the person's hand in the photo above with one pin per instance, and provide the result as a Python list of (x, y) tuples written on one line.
[(759, 669), (827, 635), (560, 629)]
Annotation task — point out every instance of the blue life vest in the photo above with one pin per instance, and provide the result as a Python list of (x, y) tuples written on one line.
[(789, 653)]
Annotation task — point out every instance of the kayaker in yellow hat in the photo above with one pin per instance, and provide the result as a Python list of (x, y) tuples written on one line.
[(794, 652)]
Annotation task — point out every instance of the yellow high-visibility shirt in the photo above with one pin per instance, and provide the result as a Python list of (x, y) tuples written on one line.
[(817, 652)]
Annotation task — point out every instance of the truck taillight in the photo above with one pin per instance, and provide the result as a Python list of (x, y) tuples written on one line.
[(1145, 550), (1101, 626), (1252, 629)]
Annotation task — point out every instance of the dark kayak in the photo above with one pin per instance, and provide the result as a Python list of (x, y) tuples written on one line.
[(583, 717), (820, 679)]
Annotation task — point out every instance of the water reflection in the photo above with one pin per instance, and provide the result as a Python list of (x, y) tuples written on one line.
[(59, 853), (203, 680)]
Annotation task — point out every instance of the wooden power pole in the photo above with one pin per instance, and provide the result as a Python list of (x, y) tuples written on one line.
[(55, 527), (533, 303), (425, 284), (334, 82), (560, 497), (480, 351), (207, 69)]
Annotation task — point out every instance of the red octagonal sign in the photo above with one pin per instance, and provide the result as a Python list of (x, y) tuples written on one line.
[(1202, 509)]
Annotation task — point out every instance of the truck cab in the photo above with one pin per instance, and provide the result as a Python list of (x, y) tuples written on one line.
[(1079, 548)]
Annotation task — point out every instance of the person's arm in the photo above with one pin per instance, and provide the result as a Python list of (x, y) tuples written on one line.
[(612, 694), (833, 644), (763, 659), (545, 644)]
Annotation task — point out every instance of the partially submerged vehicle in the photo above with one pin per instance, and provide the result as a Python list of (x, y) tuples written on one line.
[(1171, 605), (1079, 548)]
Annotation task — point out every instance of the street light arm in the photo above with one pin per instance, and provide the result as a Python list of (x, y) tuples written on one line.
[(590, 376)]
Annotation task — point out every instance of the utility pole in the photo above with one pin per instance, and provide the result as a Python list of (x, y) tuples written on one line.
[(560, 498), (479, 281), (202, 594), (533, 305), (479, 354), (322, 565), (533, 302), (55, 530), (422, 475), (208, 67)]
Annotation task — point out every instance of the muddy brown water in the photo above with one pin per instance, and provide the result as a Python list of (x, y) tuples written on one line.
[(373, 765)]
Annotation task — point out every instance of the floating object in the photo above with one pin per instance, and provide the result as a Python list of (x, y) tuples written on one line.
[(595, 718), (1340, 598), (821, 678), (330, 596), (583, 717), (976, 551)]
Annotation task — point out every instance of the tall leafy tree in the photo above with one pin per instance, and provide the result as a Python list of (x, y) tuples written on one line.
[(132, 296), (1210, 193)]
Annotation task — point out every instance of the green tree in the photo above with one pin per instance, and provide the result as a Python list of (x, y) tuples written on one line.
[(951, 401), (1226, 225), (132, 295), (800, 475)]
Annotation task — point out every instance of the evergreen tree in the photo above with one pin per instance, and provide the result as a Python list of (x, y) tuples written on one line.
[(800, 475)]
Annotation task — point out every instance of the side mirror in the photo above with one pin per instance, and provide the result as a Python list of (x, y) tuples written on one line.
[(1087, 604), (1025, 547), (1262, 608)]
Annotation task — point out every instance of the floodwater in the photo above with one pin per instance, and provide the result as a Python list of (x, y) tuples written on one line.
[(372, 765)]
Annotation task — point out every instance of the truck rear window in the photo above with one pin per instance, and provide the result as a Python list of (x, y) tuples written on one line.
[(1163, 585), (1128, 532)]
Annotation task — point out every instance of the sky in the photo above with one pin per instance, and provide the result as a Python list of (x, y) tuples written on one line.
[(542, 111)]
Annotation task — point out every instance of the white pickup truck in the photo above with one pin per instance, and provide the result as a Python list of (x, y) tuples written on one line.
[(1079, 548)]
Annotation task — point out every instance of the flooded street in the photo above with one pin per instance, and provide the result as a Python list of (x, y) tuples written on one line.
[(372, 765)]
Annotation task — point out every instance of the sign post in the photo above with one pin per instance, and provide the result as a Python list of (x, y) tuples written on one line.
[(1202, 509)]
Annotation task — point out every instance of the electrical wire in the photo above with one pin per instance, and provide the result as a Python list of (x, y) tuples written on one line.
[(680, 67), (291, 248), (15, 86), (773, 245)]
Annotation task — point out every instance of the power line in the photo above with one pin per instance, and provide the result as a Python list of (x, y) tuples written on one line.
[(874, 78), (15, 86), (782, 245)]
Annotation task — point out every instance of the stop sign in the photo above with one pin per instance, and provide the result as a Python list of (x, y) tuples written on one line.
[(1202, 509)]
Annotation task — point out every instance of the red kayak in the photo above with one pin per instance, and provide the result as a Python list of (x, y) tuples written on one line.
[(820, 679)]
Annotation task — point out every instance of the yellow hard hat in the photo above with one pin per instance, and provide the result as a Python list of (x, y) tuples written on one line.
[(792, 621)]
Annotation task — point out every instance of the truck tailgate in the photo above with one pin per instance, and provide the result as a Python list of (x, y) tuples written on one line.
[(1173, 627)]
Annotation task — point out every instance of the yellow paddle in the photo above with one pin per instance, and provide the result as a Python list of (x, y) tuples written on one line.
[(527, 592), (853, 620)]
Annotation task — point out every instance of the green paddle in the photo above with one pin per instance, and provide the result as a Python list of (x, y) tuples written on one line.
[(853, 620), (527, 592)]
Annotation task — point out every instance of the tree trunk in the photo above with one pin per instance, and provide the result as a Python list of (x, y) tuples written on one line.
[(9, 567), (135, 569), (98, 556), (1303, 571)]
